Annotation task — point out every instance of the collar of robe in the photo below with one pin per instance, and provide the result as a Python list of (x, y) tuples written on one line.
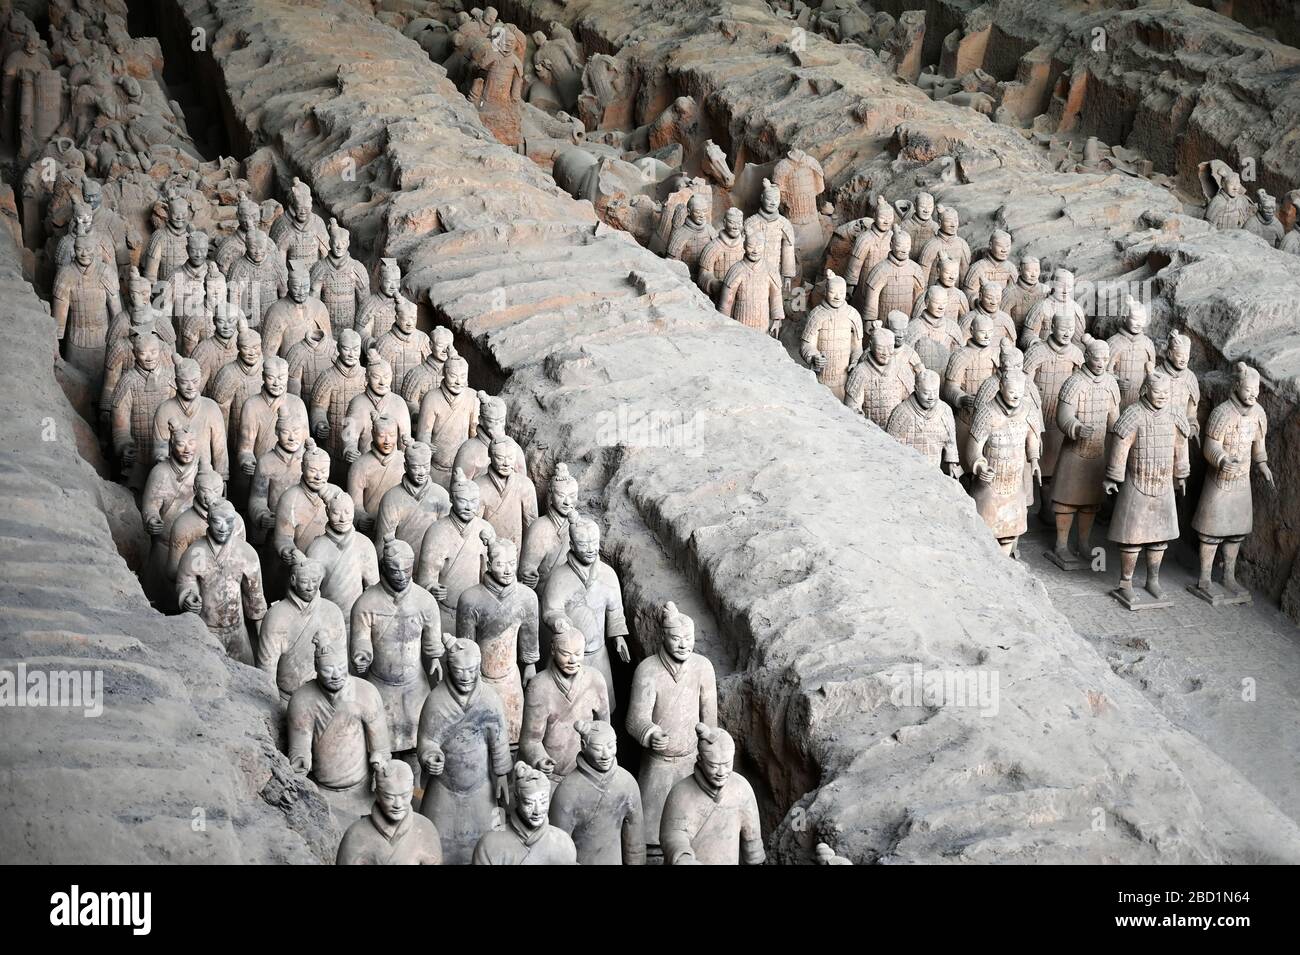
[(599, 779), (391, 831), (707, 787)]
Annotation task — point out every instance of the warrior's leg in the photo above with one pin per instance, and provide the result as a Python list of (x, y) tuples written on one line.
[(1064, 520), (1155, 554), (1128, 559), (1086, 519), (1231, 547), (1208, 549)]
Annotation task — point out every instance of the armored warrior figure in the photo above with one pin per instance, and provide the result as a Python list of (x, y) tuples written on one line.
[(750, 293), (168, 491), (933, 333), (1145, 464), (832, 337), (723, 251), (1042, 317), (463, 746), (925, 424), (258, 416), (410, 508), (339, 280), (498, 91), (404, 346), (500, 616), (566, 692), (300, 234), (546, 540), (1184, 389), (377, 471), (1132, 354), (294, 317), (880, 381), (800, 179), (711, 816), (473, 456), (220, 579), (996, 267), (1048, 364), (1230, 207), (599, 803), (85, 297), (897, 323), (689, 239), (201, 415), (136, 399), (278, 469), (284, 647), (1001, 442), (1086, 411), (989, 304), (83, 223), (396, 642), (895, 284), (348, 557), (392, 834), (448, 417), (947, 243), (258, 279), (427, 375), (168, 249), (192, 524), (220, 349), (528, 837), (870, 248), (377, 315), (509, 498), (967, 369), (920, 223), (586, 590), (300, 515), (1264, 223), (672, 692), (308, 360), (335, 389), (186, 293), (1024, 293), (1234, 442), (248, 214), (952, 302), (377, 398), (336, 729), (451, 553)]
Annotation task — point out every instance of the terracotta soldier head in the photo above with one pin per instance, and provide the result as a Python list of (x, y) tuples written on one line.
[(733, 223), (188, 375), (340, 239), (1096, 356), (256, 247), (146, 347), (331, 663), (715, 757), (383, 433), (464, 663), (183, 443), (390, 278), (584, 540), (379, 374), (1011, 386), (1267, 206), (999, 245), (247, 214), (249, 344), (418, 462), (394, 786), (208, 488), (196, 247), (532, 793), (464, 497), (83, 218), (178, 213), (1155, 389), (924, 208), (501, 457), (275, 375), (349, 348), (599, 745), (990, 296), (299, 281), (900, 246), (1063, 285), (442, 342), (83, 251), (698, 208), (563, 491), (305, 576), (770, 199), (1135, 322), (1063, 328), (936, 301), (678, 633), (754, 245), (897, 323), (397, 564), (949, 221), (221, 521), (214, 300), (836, 290), (1178, 350), (315, 466), (455, 375), (880, 346), (927, 389), (340, 512), (300, 201), (502, 558), (568, 646), (492, 414), (405, 316)]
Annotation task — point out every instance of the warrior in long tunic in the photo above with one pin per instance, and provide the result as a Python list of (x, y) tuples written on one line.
[(1041, 318), (566, 692), (348, 557), (168, 491), (1086, 411), (340, 281), (220, 579), (261, 412), (599, 804), (135, 402), (528, 837), (185, 294), (294, 317), (948, 244), (333, 394), (779, 252), (896, 283), (508, 496), (376, 472), (378, 397), (672, 692), (933, 333), (880, 381), (410, 508), (1184, 388), (832, 337), (1230, 208), (85, 297), (248, 215), (546, 540), (463, 745), (750, 293), (218, 349), (1001, 443), (192, 523), (337, 733), (1020, 297), (723, 251), (451, 553), (952, 301), (309, 360), (396, 642), (1131, 354), (300, 234), (201, 415), (586, 590), (448, 417), (300, 515), (989, 304), (925, 424), (688, 240), (501, 616), (1048, 364), (392, 834), (167, 248), (427, 375), (258, 279), (1234, 442), (920, 223), (1147, 461), (473, 456), (1264, 223), (711, 816), (404, 346), (237, 380), (967, 369), (277, 470), (995, 268), (284, 647), (870, 248), (379, 311)]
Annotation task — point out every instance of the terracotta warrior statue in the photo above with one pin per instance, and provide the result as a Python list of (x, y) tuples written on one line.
[(528, 838), (284, 646), (168, 491), (300, 515), (832, 337), (711, 816), (925, 424), (1184, 388), (672, 692), (1019, 298), (258, 279), (143, 388), (220, 579), (546, 540), (463, 746), (778, 236), (220, 348), (498, 91), (377, 315), (336, 728), (1086, 411), (1229, 207), (427, 375), (1048, 364), (392, 834), (448, 417), (294, 317), (348, 557), (1146, 462), (1234, 442), (952, 302), (396, 642), (871, 247), (586, 591), (278, 469), (248, 215), (932, 332), (452, 550), (895, 283), (1001, 443), (750, 293), (339, 280), (188, 408), (300, 234), (688, 240), (996, 267), (260, 412), (722, 252), (920, 223), (85, 298), (168, 248), (404, 346), (599, 804), (989, 304), (186, 293), (1041, 318), (308, 361), (335, 389), (1264, 223), (409, 509), (968, 368), (192, 523), (1132, 353), (473, 455), (947, 243), (377, 471), (508, 497), (566, 692), (880, 381), (377, 398)]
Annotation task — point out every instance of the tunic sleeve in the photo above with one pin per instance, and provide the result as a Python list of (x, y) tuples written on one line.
[(529, 647), (360, 639), (378, 743), (640, 708), (751, 838), (251, 585), (300, 728), (633, 827), (533, 729), (673, 835)]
